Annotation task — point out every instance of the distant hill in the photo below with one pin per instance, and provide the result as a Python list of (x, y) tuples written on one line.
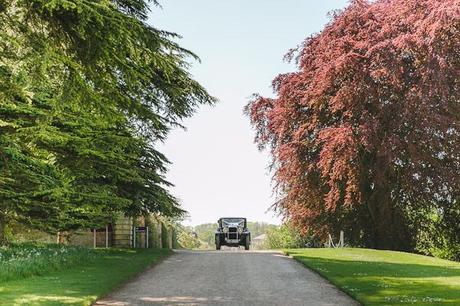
[(205, 232)]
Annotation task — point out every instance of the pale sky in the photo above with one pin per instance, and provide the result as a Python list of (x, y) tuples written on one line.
[(216, 167)]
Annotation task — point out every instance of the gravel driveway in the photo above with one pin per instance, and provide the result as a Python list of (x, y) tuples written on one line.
[(228, 278)]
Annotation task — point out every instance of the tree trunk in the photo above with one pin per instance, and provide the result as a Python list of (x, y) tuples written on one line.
[(170, 236), (389, 229), (159, 234), (3, 239)]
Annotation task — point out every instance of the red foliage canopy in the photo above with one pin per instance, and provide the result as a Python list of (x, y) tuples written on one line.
[(365, 135)]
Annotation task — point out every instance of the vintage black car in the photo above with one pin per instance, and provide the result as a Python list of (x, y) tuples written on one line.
[(233, 232)]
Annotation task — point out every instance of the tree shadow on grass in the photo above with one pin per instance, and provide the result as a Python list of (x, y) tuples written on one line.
[(52, 289), (383, 283), (79, 285)]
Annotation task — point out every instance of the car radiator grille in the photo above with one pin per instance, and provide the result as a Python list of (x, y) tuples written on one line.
[(232, 233)]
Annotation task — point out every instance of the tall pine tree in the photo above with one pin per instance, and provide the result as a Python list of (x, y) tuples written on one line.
[(86, 90)]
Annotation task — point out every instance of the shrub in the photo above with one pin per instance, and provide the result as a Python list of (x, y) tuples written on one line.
[(27, 259), (286, 237), (437, 243), (187, 239)]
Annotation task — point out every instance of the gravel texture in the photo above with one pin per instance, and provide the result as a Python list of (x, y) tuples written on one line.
[(231, 277)]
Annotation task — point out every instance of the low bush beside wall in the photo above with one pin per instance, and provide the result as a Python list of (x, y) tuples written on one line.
[(27, 259)]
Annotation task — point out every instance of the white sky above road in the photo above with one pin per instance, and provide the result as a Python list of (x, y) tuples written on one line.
[(216, 167)]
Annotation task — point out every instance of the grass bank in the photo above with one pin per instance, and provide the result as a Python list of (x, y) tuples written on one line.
[(27, 259), (376, 277), (70, 279)]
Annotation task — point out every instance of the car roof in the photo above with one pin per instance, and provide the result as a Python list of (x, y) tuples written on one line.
[(232, 218)]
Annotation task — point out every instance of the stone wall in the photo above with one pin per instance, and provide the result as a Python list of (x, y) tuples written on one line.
[(86, 238), (122, 232)]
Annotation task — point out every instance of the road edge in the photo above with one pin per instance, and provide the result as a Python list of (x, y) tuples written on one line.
[(133, 278), (286, 253)]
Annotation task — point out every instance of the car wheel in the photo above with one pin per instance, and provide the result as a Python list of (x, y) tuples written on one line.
[(218, 243), (246, 245)]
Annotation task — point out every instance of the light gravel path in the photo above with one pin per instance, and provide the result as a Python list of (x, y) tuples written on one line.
[(228, 278)]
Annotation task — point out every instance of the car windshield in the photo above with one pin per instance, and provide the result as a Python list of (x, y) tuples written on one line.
[(228, 221)]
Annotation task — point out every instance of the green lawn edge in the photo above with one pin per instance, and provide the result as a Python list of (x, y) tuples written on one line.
[(287, 252), (82, 284), (374, 277)]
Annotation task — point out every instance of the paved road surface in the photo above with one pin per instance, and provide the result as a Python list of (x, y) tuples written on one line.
[(228, 278)]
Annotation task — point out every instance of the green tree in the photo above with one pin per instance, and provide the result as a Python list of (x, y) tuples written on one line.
[(284, 237), (186, 238), (87, 90)]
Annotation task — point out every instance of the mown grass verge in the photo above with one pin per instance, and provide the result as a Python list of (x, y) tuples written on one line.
[(75, 282), (375, 277)]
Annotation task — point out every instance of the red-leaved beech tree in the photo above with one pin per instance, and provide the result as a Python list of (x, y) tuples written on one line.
[(365, 136)]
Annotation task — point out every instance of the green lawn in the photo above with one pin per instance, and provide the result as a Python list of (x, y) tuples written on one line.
[(21, 260), (81, 283), (385, 277)]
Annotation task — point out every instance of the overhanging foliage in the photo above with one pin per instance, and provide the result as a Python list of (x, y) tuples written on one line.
[(87, 88)]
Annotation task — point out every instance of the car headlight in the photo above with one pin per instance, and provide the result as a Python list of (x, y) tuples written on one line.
[(225, 230), (240, 230)]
